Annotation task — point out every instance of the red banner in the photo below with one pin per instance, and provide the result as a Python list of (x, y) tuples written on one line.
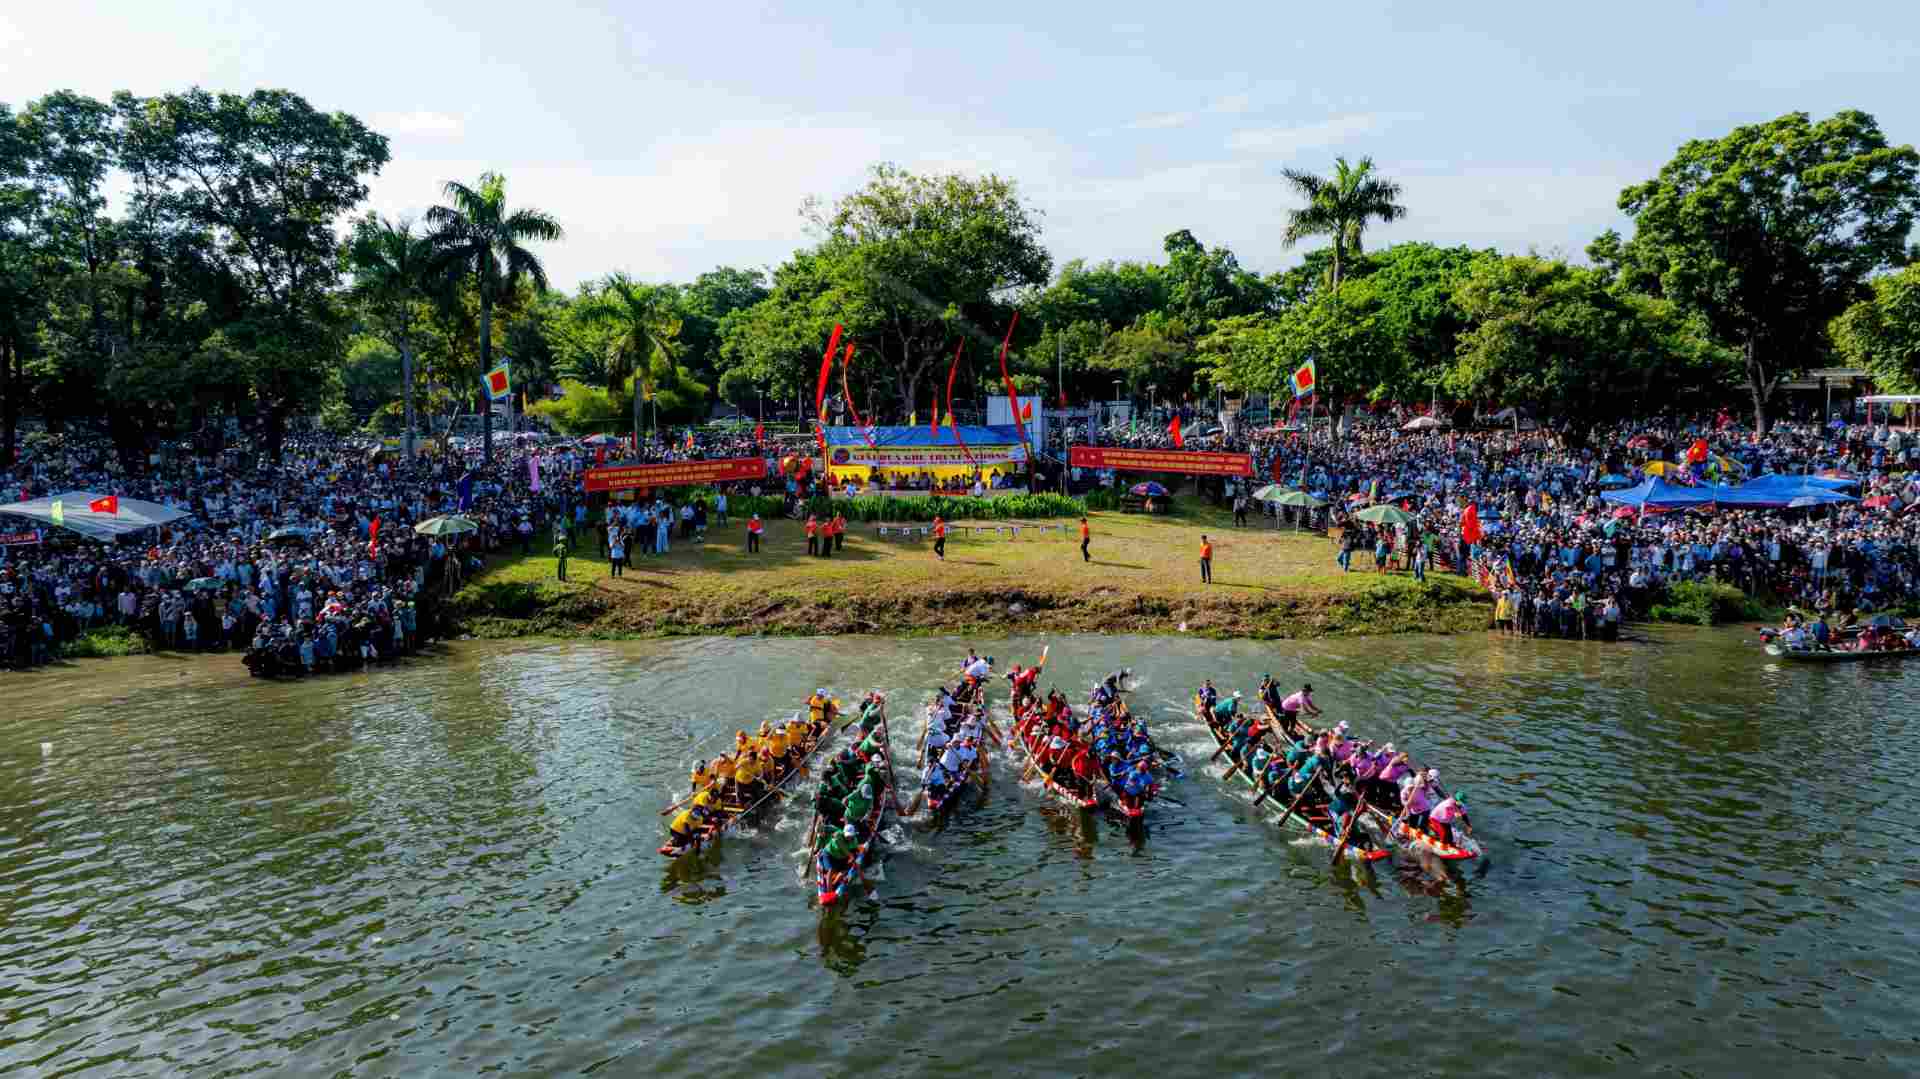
[(675, 473), (15, 539), (1192, 463)]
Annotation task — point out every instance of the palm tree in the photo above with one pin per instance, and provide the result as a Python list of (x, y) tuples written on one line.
[(478, 235), (644, 326), (393, 272), (1341, 206)]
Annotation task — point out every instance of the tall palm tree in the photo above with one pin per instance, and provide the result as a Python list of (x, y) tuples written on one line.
[(644, 326), (478, 235), (1340, 206), (393, 272)]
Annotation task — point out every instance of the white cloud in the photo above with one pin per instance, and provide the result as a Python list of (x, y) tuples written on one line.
[(1232, 104), (421, 123), (1161, 122), (1291, 140)]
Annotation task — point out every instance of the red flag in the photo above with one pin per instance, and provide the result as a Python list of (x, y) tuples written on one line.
[(1470, 524), (1697, 452), (1013, 397), (933, 421), (1026, 411), (1174, 430), (826, 368), (109, 504), (759, 434), (1063, 397), (373, 538), (952, 420), (599, 455), (846, 362)]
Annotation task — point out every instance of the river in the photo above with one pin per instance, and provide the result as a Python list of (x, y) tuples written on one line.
[(1699, 863)]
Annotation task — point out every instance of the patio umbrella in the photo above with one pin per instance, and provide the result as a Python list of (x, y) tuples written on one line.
[(1420, 423), (1624, 511), (1149, 489), (450, 525), (1385, 515), (1270, 493), (205, 584), (1299, 498)]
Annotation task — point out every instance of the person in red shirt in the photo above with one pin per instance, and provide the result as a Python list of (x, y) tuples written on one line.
[(1206, 560), (1086, 537), (754, 527), (939, 538), (813, 534), (839, 532)]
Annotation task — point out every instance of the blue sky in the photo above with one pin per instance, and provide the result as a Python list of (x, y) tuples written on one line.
[(672, 138)]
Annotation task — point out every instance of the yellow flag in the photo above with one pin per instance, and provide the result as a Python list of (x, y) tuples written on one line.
[(59, 513), (913, 420)]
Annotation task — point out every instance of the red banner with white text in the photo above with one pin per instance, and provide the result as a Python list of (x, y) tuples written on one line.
[(1195, 463), (675, 473)]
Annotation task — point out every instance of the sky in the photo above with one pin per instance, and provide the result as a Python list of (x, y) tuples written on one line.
[(673, 138)]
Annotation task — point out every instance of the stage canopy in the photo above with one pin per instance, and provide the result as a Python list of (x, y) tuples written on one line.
[(919, 449), (1658, 494), (74, 515)]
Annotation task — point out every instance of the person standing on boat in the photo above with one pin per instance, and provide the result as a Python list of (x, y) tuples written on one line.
[(1417, 798), (1270, 694), (1298, 705), (1209, 696)]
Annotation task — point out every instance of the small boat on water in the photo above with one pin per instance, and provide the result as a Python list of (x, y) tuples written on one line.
[(1845, 655), (945, 797), (842, 852), (719, 802), (1031, 735), (1310, 817)]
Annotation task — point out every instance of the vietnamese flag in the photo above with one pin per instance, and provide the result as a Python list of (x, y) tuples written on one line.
[(1470, 524), (109, 504), (1174, 430), (1026, 411), (933, 418), (759, 433), (373, 538), (1697, 453), (498, 384)]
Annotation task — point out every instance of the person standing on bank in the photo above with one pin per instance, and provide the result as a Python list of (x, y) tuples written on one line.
[(813, 534), (939, 538), (753, 534), (1086, 537), (616, 550), (1206, 560), (560, 557), (839, 531)]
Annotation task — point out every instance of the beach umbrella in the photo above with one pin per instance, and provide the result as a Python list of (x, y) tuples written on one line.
[(205, 584), (1299, 498), (1270, 493), (1149, 489), (449, 525), (1420, 423), (1385, 515)]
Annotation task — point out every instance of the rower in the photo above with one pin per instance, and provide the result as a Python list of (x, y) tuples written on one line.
[(1451, 812), (683, 831), (837, 854), (1224, 712), (858, 804), (746, 775), (829, 801), (820, 709), (937, 738), (936, 780), (702, 778), (978, 669), (1416, 799), (1136, 782)]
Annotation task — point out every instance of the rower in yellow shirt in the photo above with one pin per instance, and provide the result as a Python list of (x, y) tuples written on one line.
[(817, 706)]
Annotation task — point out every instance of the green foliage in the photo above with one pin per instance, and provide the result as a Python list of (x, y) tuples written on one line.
[(1005, 508), (1340, 207), (1882, 333), (1768, 233), (106, 642), (1705, 603), (581, 409), (1103, 499)]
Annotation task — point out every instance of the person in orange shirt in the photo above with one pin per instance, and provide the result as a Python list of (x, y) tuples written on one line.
[(754, 528), (1206, 560), (839, 532), (813, 534), (1086, 537), (826, 536), (939, 538)]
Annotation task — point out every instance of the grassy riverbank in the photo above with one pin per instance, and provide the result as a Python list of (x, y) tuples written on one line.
[(1144, 578)]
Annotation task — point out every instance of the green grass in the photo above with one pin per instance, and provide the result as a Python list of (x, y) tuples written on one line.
[(1144, 577), (107, 642), (1705, 603)]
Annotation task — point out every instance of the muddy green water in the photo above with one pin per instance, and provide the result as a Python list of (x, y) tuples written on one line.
[(1700, 864)]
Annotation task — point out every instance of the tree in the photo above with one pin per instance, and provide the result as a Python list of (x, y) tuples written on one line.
[(265, 177), (1769, 233), (1882, 332), (1557, 336), (912, 260), (480, 238), (641, 325), (1342, 332), (393, 274), (1341, 206)]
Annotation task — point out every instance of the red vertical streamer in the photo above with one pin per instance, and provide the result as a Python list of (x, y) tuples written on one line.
[(820, 390), (1013, 398), (952, 420)]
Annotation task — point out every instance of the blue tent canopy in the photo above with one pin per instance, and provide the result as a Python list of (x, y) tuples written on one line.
[(1657, 494)]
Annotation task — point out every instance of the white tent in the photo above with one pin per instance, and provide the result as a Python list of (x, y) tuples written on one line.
[(133, 514)]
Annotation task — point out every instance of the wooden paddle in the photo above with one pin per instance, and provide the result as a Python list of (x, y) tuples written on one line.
[(1346, 833), (1301, 797), (680, 803)]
